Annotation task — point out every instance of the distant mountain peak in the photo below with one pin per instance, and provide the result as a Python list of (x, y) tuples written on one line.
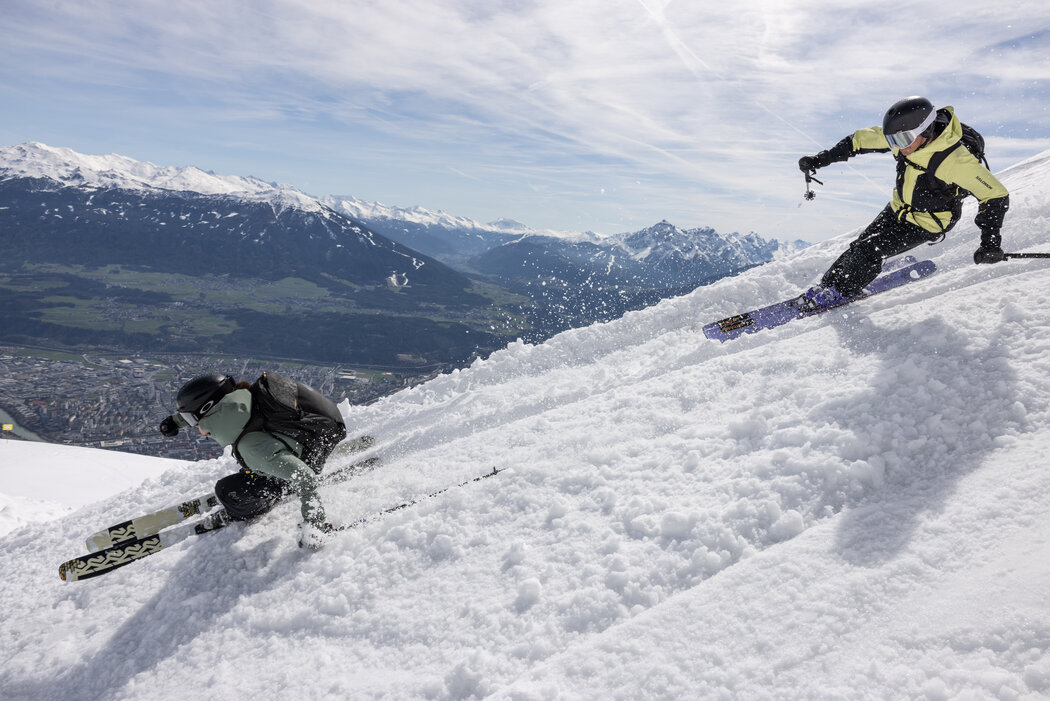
[(510, 225), (364, 210)]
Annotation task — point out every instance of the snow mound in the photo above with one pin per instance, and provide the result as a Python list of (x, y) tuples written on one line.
[(40, 481)]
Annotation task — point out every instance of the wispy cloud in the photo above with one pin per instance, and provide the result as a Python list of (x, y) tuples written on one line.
[(696, 112)]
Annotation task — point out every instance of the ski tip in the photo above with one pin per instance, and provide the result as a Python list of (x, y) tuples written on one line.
[(68, 571)]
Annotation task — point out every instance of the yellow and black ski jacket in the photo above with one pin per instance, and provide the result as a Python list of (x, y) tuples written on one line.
[(933, 200)]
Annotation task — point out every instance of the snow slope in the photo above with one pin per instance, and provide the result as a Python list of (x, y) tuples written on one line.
[(852, 506), (42, 481)]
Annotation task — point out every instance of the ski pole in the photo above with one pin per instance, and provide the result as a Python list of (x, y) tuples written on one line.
[(1007, 256), (810, 179)]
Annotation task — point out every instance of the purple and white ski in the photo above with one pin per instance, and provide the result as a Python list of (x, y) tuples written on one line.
[(799, 307)]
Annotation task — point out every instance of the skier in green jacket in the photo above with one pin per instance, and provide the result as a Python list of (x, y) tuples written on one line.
[(925, 204), (271, 465)]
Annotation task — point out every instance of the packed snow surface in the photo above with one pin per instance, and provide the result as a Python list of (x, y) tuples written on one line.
[(40, 481), (852, 506)]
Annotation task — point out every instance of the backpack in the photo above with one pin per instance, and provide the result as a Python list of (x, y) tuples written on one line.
[(285, 408), (971, 139), (973, 143)]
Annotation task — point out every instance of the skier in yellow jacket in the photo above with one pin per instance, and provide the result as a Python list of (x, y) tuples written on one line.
[(935, 172)]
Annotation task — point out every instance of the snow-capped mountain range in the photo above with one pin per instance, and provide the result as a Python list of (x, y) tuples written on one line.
[(377, 211), (112, 171), (38, 160), (73, 191), (660, 256), (113, 210), (656, 245), (194, 243)]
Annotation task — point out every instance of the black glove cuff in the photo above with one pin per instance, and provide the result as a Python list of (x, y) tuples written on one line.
[(811, 163), (991, 239)]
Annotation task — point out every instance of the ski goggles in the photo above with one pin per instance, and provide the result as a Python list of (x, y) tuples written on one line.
[(194, 417), (904, 139)]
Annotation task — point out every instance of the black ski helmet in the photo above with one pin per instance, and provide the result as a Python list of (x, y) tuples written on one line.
[(906, 120), (198, 396)]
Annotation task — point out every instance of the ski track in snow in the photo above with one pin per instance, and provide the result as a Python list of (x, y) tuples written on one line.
[(850, 506)]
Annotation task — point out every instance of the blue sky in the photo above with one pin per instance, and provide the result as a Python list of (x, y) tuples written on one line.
[(600, 115)]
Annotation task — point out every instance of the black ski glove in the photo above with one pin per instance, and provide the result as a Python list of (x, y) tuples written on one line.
[(988, 254), (808, 164), (169, 428), (842, 151)]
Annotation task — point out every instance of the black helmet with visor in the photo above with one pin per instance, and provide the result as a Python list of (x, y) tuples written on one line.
[(906, 121)]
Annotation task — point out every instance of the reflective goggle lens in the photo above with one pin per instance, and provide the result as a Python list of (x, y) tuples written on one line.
[(188, 417), (904, 139)]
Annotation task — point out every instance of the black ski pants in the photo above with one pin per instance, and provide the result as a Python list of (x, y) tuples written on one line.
[(884, 238), (248, 494)]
